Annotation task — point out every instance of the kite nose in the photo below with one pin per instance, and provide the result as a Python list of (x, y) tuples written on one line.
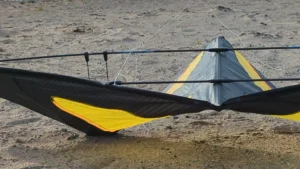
[(219, 38)]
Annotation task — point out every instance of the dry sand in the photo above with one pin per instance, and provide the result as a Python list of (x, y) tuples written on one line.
[(203, 140)]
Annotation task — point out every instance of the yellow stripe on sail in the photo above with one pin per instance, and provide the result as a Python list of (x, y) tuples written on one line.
[(184, 76), (110, 120), (251, 71)]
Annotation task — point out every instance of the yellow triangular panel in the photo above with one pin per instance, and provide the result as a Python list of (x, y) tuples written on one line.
[(110, 120)]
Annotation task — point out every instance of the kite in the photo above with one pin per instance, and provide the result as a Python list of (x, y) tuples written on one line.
[(219, 78)]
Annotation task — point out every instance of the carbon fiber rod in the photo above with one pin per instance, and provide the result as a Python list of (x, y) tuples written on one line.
[(203, 81), (149, 51)]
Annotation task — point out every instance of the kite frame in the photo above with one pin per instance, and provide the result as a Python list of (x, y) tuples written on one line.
[(217, 50)]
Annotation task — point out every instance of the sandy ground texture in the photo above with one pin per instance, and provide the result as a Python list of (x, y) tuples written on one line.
[(203, 140)]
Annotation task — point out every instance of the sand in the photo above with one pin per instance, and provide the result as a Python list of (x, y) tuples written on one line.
[(202, 140)]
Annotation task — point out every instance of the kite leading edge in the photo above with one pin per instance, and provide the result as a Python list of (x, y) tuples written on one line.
[(97, 108)]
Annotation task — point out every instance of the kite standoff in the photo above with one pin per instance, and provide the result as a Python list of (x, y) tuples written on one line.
[(218, 78)]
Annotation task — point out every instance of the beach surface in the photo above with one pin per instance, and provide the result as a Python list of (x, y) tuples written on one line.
[(205, 140)]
